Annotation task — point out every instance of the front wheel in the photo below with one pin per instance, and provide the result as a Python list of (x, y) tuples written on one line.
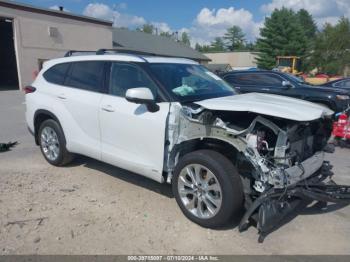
[(208, 188)]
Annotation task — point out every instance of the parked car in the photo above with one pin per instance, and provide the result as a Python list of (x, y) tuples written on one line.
[(279, 83), (170, 119), (343, 83)]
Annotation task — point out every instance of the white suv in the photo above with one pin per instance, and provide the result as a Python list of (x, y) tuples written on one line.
[(170, 119)]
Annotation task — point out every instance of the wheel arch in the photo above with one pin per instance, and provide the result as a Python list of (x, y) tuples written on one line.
[(40, 116), (223, 147)]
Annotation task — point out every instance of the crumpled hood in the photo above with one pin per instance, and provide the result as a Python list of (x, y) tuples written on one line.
[(272, 105)]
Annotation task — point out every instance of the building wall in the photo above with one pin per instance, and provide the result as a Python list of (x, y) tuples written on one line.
[(33, 42), (235, 59)]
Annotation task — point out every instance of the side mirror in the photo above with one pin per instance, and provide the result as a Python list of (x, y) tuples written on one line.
[(287, 84), (142, 95)]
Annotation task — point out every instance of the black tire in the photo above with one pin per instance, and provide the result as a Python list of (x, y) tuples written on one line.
[(229, 180), (64, 157)]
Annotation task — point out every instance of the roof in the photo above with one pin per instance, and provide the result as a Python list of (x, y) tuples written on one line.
[(153, 44), (45, 11), (119, 57)]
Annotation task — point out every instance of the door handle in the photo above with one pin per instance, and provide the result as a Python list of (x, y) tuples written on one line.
[(265, 89), (107, 108), (62, 96)]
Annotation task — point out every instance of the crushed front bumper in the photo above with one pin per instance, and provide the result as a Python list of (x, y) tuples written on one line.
[(309, 181)]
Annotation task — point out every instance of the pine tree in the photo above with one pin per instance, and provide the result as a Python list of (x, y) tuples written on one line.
[(185, 38), (217, 45), (307, 23), (281, 35), (309, 27), (234, 38)]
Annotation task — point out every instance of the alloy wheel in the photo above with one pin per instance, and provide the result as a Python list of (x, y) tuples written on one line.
[(199, 191)]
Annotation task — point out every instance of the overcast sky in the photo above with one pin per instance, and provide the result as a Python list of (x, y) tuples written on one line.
[(203, 19)]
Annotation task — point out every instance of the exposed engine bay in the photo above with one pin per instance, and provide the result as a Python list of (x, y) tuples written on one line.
[(280, 161)]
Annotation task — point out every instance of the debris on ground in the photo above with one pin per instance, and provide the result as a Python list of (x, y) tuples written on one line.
[(6, 146), (37, 240), (67, 190), (21, 223)]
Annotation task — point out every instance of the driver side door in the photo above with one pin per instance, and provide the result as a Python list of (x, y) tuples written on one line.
[(132, 137)]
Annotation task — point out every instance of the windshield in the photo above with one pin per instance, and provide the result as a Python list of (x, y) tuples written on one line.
[(285, 62), (190, 83)]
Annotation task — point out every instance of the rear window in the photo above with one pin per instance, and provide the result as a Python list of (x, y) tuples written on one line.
[(86, 75), (56, 74)]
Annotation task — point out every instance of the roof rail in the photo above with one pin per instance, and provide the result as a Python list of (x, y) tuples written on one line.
[(124, 51), (81, 52), (106, 51)]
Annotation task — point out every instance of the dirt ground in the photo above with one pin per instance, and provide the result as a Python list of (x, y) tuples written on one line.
[(94, 208)]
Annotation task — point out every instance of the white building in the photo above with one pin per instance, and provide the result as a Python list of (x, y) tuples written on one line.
[(31, 35)]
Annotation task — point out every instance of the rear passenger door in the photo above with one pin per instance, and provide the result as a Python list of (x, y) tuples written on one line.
[(81, 97), (132, 137)]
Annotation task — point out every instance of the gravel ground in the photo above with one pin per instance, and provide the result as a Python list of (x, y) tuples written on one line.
[(94, 208)]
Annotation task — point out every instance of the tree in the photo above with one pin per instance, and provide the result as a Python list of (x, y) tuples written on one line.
[(309, 27), (198, 47), (185, 38), (307, 23), (166, 34), (250, 46), (234, 38), (203, 48), (147, 28), (281, 35), (217, 45), (331, 52)]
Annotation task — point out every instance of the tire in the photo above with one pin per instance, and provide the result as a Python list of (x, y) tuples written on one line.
[(227, 207), (57, 154)]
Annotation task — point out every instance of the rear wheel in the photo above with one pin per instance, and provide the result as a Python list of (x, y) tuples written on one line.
[(208, 188), (53, 143)]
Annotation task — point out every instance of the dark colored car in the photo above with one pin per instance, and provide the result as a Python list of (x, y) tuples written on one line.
[(343, 83), (278, 83)]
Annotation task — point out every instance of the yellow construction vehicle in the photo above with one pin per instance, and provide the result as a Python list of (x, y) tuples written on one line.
[(289, 64)]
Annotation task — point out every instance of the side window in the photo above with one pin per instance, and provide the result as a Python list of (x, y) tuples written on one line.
[(344, 84), (56, 74), (125, 76), (86, 75), (268, 80), (240, 79)]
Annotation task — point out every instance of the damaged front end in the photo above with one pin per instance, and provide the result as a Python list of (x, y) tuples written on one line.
[(281, 161)]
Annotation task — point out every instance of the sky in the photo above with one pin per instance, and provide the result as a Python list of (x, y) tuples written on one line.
[(202, 19)]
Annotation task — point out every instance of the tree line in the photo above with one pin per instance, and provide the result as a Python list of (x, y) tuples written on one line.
[(287, 33), (284, 33), (233, 40), (151, 29)]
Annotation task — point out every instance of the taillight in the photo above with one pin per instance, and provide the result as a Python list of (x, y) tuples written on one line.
[(29, 89)]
